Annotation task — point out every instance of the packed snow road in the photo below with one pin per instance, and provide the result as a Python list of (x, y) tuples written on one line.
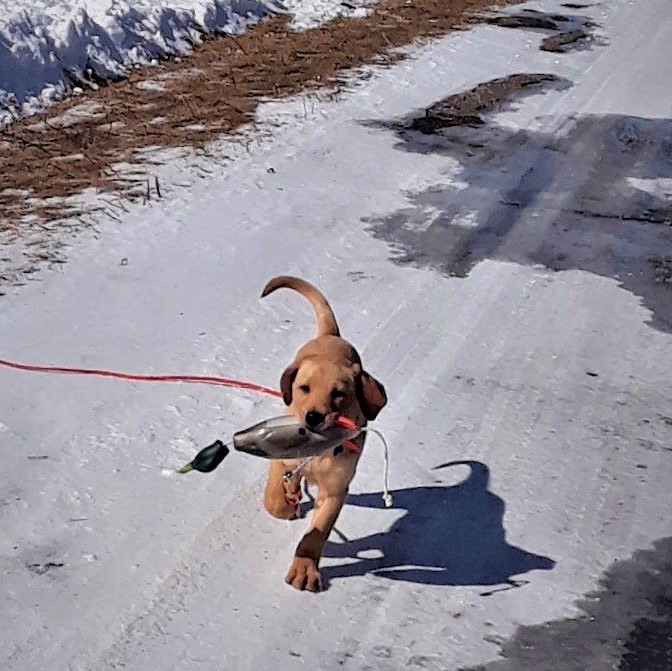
[(508, 281)]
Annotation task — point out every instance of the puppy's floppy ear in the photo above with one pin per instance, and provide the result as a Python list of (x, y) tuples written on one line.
[(370, 394), (286, 381)]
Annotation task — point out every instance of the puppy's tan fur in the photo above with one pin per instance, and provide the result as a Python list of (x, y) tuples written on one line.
[(326, 379)]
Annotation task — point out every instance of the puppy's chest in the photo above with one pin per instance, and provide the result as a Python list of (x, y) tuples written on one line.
[(330, 468)]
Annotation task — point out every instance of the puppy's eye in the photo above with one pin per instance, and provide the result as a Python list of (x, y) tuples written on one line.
[(337, 393), (305, 388)]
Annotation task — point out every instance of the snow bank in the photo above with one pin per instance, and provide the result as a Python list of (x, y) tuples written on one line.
[(56, 46), (48, 51)]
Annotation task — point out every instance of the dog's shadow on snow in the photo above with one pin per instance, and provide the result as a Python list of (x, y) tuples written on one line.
[(449, 535)]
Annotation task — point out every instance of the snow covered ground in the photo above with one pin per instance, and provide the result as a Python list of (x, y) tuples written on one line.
[(502, 281), (51, 47)]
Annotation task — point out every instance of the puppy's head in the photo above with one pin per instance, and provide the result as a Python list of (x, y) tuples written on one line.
[(319, 390)]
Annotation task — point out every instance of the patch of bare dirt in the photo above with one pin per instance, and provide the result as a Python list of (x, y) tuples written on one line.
[(531, 19), (467, 108), (569, 32), (561, 42), (471, 107)]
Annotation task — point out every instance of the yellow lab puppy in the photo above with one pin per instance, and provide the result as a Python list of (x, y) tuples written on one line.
[(325, 380)]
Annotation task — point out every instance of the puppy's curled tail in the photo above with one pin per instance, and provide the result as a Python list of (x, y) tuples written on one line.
[(326, 321)]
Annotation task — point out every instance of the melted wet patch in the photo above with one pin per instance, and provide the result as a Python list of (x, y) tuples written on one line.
[(625, 625)]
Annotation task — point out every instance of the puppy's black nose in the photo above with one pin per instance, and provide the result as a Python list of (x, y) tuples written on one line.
[(314, 418)]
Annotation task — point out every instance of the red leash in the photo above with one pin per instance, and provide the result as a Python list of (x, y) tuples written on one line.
[(131, 377), (349, 445)]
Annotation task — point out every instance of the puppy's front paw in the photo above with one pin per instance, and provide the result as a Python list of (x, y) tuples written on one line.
[(304, 574)]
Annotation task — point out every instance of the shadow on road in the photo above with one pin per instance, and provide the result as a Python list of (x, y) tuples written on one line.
[(449, 535), (593, 195)]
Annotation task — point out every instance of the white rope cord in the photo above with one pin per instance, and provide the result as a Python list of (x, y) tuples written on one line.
[(388, 499), (290, 474)]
